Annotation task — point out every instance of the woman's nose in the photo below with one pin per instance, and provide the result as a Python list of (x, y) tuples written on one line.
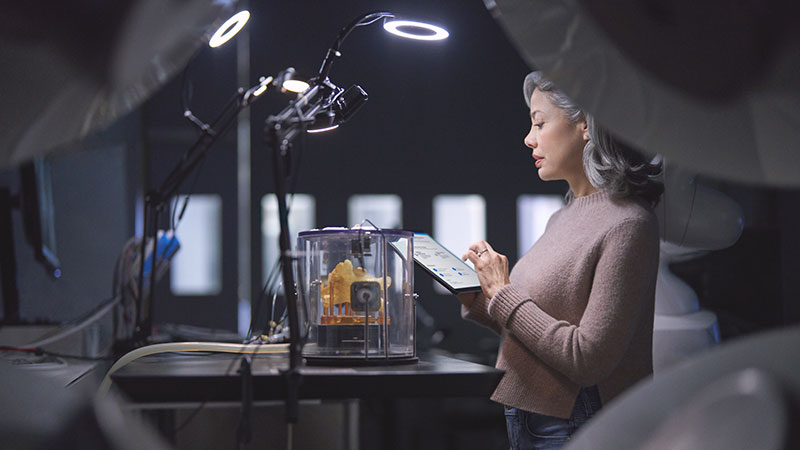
[(530, 140)]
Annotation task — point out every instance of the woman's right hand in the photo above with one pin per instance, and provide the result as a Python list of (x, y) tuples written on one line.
[(492, 268)]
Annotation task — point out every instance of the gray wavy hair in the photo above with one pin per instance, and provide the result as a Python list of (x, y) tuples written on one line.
[(608, 163)]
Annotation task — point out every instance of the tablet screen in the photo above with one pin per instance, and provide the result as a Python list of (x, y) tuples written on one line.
[(444, 266)]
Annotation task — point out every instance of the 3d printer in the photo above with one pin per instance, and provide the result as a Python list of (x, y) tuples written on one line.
[(356, 287)]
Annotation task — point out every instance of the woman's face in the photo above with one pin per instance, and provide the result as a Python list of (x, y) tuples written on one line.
[(557, 143)]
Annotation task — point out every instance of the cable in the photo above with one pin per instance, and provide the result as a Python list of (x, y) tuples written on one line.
[(83, 358), (127, 289), (268, 287), (170, 347), (173, 208), (187, 197), (6, 348), (39, 351), (262, 297), (59, 334), (275, 302), (173, 223), (38, 360), (117, 278), (187, 90), (57, 356)]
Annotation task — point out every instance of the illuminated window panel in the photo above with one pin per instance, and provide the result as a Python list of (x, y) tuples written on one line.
[(533, 212), (458, 221), (302, 216), (385, 211), (196, 268)]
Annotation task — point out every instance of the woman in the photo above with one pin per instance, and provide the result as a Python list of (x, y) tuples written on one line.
[(576, 313)]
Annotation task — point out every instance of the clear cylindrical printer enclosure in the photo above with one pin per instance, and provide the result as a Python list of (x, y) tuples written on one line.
[(356, 287)]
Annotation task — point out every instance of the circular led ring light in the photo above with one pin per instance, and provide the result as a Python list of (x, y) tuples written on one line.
[(322, 130), (263, 83), (295, 85), (229, 29), (394, 26)]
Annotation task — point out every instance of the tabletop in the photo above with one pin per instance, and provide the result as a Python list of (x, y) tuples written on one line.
[(182, 377)]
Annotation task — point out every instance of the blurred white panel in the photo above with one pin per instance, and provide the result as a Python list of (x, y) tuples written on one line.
[(533, 212), (385, 211), (243, 317), (197, 267), (458, 221), (302, 216)]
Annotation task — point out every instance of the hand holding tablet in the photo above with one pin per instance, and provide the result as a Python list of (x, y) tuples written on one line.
[(445, 267)]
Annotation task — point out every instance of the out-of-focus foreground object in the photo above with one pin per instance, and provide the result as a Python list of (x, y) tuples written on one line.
[(693, 219), (71, 68), (712, 86), (40, 413), (742, 395)]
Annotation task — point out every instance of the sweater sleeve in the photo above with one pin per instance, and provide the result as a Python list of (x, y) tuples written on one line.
[(623, 281), (478, 311)]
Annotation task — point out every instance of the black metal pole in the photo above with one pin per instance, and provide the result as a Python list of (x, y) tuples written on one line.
[(280, 146), (8, 261), (144, 322), (138, 332), (150, 299), (244, 434)]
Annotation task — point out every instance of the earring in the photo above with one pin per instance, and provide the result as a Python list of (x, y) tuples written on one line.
[(586, 136)]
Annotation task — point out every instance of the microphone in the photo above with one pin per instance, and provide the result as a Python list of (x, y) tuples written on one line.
[(340, 109)]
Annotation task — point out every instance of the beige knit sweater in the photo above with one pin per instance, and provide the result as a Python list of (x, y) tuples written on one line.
[(579, 309)]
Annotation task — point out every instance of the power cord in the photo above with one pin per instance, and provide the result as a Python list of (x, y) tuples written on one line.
[(93, 316)]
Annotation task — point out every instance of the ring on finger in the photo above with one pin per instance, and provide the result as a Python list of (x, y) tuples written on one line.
[(482, 251)]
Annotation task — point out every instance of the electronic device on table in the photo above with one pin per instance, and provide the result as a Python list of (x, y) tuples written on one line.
[(356, 289)]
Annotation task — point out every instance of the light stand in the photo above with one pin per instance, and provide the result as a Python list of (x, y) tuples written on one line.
[(155, 202), (323, 105), (280, 130)]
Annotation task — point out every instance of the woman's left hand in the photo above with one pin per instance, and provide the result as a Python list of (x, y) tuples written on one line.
[(492, 267)]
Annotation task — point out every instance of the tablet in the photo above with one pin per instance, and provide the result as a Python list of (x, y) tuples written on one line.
[(447, 268)]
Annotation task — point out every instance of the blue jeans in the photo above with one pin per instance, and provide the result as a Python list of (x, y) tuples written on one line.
[(532, 431)]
